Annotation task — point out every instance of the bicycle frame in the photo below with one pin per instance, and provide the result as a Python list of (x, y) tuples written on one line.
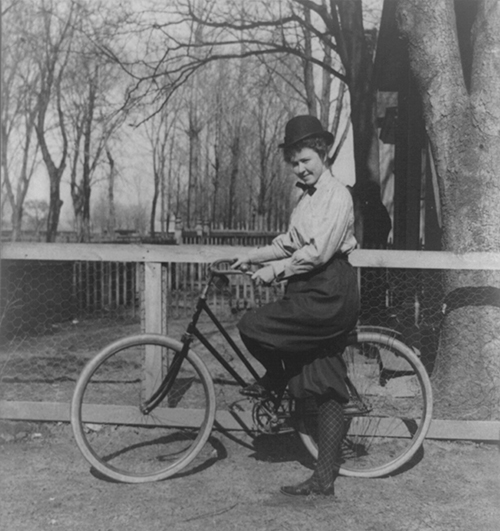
[(192, 332)]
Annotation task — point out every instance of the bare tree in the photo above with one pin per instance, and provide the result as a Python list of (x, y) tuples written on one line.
[(18, 112), (92, 101), (160, 133), (51, 50), (83, 124), (269, 128)]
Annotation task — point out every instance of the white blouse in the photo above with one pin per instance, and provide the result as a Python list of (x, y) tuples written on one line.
[(321, 225)]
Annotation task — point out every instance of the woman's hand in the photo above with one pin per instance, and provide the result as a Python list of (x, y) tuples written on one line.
[(264, 275), (241, 262)]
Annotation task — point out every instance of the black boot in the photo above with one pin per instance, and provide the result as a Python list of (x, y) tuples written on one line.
[(330, 435), (308, 487)]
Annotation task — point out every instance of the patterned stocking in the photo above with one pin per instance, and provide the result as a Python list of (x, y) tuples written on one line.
[(330, 434)]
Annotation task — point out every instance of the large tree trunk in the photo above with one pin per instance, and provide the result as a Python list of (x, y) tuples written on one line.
[(233, 177), (55, 172), (17, 223), (86, 185), (464, 132), (154, 202), (111, 196), (55, 204), (194, 167)]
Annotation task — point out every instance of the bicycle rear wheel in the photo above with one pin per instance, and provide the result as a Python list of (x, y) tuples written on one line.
[(393, 383), (121, 442)]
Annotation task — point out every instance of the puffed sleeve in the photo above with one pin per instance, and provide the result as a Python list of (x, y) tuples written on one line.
[(330, 219)]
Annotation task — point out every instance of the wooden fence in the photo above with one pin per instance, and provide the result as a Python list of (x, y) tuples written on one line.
[(152, 257)]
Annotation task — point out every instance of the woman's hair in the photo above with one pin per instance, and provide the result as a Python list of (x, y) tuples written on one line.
[(316, 143)]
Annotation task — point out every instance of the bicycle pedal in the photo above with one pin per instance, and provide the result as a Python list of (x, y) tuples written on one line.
[(356, 408), (256, 391)]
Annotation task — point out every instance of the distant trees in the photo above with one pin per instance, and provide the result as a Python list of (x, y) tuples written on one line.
[(88, 68), (234, 105), (161, 132), (215, 145), (36, 211), (92, 105), (314, 47), (57, 92), (18, 112)]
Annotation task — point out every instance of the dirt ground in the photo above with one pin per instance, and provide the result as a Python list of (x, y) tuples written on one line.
[(47, 485)]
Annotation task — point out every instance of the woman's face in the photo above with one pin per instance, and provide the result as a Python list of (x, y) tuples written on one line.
[(307, 165)]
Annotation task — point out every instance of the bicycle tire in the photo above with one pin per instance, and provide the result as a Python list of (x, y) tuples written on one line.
[(116, 438), (392, 380)]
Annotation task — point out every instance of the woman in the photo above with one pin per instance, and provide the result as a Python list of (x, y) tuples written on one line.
[(321, 302)]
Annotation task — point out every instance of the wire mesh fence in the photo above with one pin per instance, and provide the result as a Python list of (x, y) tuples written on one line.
[(57, 315), (54, 319)]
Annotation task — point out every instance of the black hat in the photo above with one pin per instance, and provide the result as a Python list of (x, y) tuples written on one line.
[(302, 127)]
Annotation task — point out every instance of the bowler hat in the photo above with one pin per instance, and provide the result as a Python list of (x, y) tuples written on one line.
[(304, 126)]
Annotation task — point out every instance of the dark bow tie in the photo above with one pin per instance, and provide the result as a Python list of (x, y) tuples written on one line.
[(309, 188)]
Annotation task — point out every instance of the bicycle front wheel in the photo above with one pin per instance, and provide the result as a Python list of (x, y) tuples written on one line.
[(393, 384), (113, 434)]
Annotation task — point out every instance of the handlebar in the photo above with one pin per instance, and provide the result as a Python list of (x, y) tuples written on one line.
[(220, 270), (219, 275), (215, 268)]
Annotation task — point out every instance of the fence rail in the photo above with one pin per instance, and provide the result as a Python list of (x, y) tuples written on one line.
[(207, 253), (38, 369)]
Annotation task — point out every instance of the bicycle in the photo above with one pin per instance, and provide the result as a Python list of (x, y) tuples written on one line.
[(144, 407)]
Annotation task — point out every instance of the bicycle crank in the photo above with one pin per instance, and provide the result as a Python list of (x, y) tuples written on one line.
[(271, 419)]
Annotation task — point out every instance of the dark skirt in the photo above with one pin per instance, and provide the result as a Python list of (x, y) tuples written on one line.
[(317, 307), (317, 312)]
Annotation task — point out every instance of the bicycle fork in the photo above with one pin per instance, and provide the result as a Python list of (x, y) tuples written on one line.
[(166, 385)]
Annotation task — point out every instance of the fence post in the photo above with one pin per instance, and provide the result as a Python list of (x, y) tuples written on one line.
[(199, 229), (178, 231), (154, 323), (206, 228)]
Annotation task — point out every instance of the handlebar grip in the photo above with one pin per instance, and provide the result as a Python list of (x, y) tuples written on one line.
[(215, 268), (216, 263)]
